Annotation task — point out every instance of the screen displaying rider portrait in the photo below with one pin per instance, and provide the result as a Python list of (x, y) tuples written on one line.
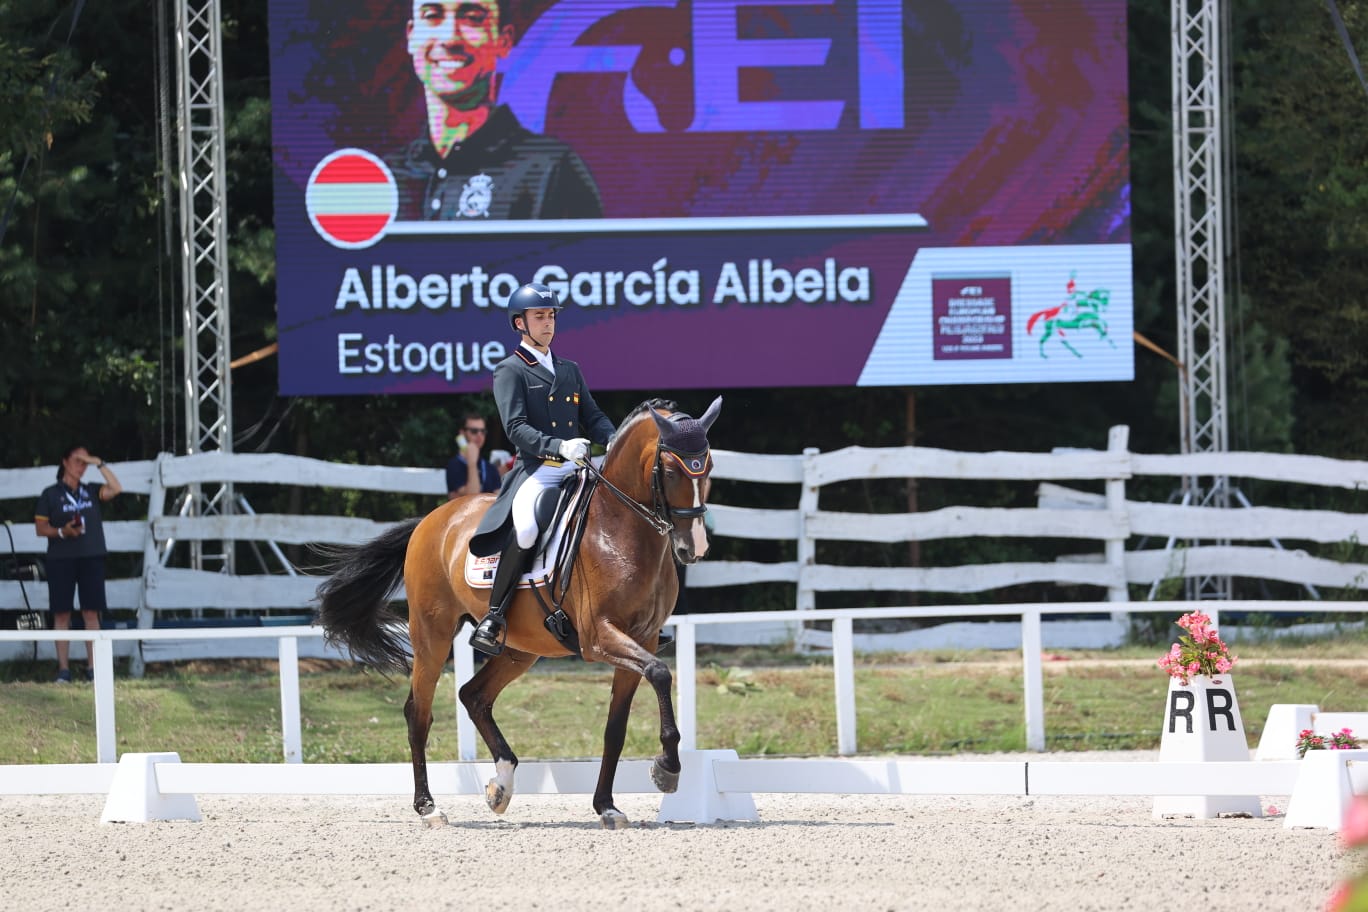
[(893, 192), (474, 159)]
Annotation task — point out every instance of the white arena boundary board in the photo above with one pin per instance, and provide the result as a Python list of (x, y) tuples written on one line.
[(730, 775)]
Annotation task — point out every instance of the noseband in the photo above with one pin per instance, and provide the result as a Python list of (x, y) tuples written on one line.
[(662, 515)]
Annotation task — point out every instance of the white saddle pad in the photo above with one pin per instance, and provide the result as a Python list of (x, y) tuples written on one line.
[(479, 571)]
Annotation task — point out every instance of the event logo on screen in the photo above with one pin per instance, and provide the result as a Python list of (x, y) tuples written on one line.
[(972, 317), (1080, 312), (724, 63)]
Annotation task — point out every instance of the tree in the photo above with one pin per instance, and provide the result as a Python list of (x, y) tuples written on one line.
[(81, 359), (1303, 208)]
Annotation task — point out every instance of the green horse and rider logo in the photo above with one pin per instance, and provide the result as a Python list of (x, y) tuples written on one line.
[(1078, 311)]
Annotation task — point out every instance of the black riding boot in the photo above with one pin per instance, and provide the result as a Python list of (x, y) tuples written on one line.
[(489, 635)]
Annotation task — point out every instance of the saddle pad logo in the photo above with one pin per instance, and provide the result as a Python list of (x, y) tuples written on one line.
[(479, 572)]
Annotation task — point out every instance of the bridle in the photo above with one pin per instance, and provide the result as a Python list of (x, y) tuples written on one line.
[(662, 515)]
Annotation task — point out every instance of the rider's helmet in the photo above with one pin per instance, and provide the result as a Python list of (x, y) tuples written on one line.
[(531, 296)]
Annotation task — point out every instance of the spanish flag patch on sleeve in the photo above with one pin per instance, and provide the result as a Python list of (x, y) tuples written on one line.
[(576, 398)]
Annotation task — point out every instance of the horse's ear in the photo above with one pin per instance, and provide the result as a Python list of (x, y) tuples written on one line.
[(711, 414), (662, 425)]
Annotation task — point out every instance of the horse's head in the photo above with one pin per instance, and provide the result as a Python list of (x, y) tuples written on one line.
[(682, 469), (663, 464)]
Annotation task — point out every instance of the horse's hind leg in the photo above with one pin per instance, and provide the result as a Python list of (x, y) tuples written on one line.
[(429, 657), (478, 696)]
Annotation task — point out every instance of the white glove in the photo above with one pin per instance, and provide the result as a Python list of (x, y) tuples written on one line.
[(574, 450)]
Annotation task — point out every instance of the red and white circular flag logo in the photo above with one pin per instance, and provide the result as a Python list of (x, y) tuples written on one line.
[(351, 198)]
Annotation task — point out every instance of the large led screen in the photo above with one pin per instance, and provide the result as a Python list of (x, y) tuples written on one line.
[(725, 193)]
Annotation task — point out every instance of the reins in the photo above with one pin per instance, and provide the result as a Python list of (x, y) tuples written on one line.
[(659, 523)]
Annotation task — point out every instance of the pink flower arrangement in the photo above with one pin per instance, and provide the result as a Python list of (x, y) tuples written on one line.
[(1308, 740), (1199, 651)]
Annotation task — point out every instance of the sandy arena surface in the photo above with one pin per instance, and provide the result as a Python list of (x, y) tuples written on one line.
[(826, 852)]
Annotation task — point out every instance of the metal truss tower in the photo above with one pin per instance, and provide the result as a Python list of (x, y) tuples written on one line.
[(1199, 205), (204, 250)]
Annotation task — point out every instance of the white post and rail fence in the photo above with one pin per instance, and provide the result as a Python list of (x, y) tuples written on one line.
[(1117, 542), (1080, 498)]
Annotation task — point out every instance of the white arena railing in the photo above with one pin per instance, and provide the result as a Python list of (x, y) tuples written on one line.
[(686, 629)]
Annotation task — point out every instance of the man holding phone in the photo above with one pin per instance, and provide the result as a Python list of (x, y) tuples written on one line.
[(469, 472)]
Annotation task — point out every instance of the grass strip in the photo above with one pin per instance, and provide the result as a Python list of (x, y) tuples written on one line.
[(758, 702)]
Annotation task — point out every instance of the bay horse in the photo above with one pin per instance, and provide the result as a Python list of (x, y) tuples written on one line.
[(646, 512)]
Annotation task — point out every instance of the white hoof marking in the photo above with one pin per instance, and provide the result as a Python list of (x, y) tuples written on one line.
[(613, 819), (499, 790)]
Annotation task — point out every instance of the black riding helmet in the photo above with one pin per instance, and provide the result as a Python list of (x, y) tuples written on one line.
[(531, 296)]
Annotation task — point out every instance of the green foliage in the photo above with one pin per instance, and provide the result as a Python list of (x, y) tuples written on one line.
[(78, 263), (1302, 188)]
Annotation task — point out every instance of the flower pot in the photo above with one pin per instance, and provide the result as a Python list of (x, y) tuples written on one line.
[(1202, 722)]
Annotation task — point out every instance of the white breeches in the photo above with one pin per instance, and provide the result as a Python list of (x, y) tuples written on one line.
[(525, 501)]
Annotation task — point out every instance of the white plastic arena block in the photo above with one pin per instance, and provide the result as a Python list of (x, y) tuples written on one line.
[(698, 800), (1202, 723), (1285, 722), (1326, 784), (135, 797), (1327, 723)]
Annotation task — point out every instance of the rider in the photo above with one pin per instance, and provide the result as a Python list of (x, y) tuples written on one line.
[(550, 417)]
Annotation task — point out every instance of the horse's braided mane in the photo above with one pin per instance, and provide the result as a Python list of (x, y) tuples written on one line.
[(683, 433)]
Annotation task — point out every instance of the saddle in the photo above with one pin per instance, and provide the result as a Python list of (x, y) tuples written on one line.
[(561, 513)]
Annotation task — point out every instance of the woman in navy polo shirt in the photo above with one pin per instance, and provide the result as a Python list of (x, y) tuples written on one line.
[(68, 516)]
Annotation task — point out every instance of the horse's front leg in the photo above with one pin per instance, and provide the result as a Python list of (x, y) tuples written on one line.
[(614, 736), (632, 663)]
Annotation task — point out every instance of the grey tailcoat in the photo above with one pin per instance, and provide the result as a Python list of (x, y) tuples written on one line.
[(538, 412)]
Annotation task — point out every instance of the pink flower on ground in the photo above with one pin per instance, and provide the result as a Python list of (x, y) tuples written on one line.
[(1354, 830), (1339, 898)]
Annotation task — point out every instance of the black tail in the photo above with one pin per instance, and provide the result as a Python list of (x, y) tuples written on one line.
[(353, 602)]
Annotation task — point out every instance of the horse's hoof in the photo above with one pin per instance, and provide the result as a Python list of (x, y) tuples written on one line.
[(613, 819), (497, 797), (434, 819), (664, 780)]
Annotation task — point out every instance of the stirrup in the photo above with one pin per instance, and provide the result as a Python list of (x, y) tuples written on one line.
[(486, 636), (663, 642)]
